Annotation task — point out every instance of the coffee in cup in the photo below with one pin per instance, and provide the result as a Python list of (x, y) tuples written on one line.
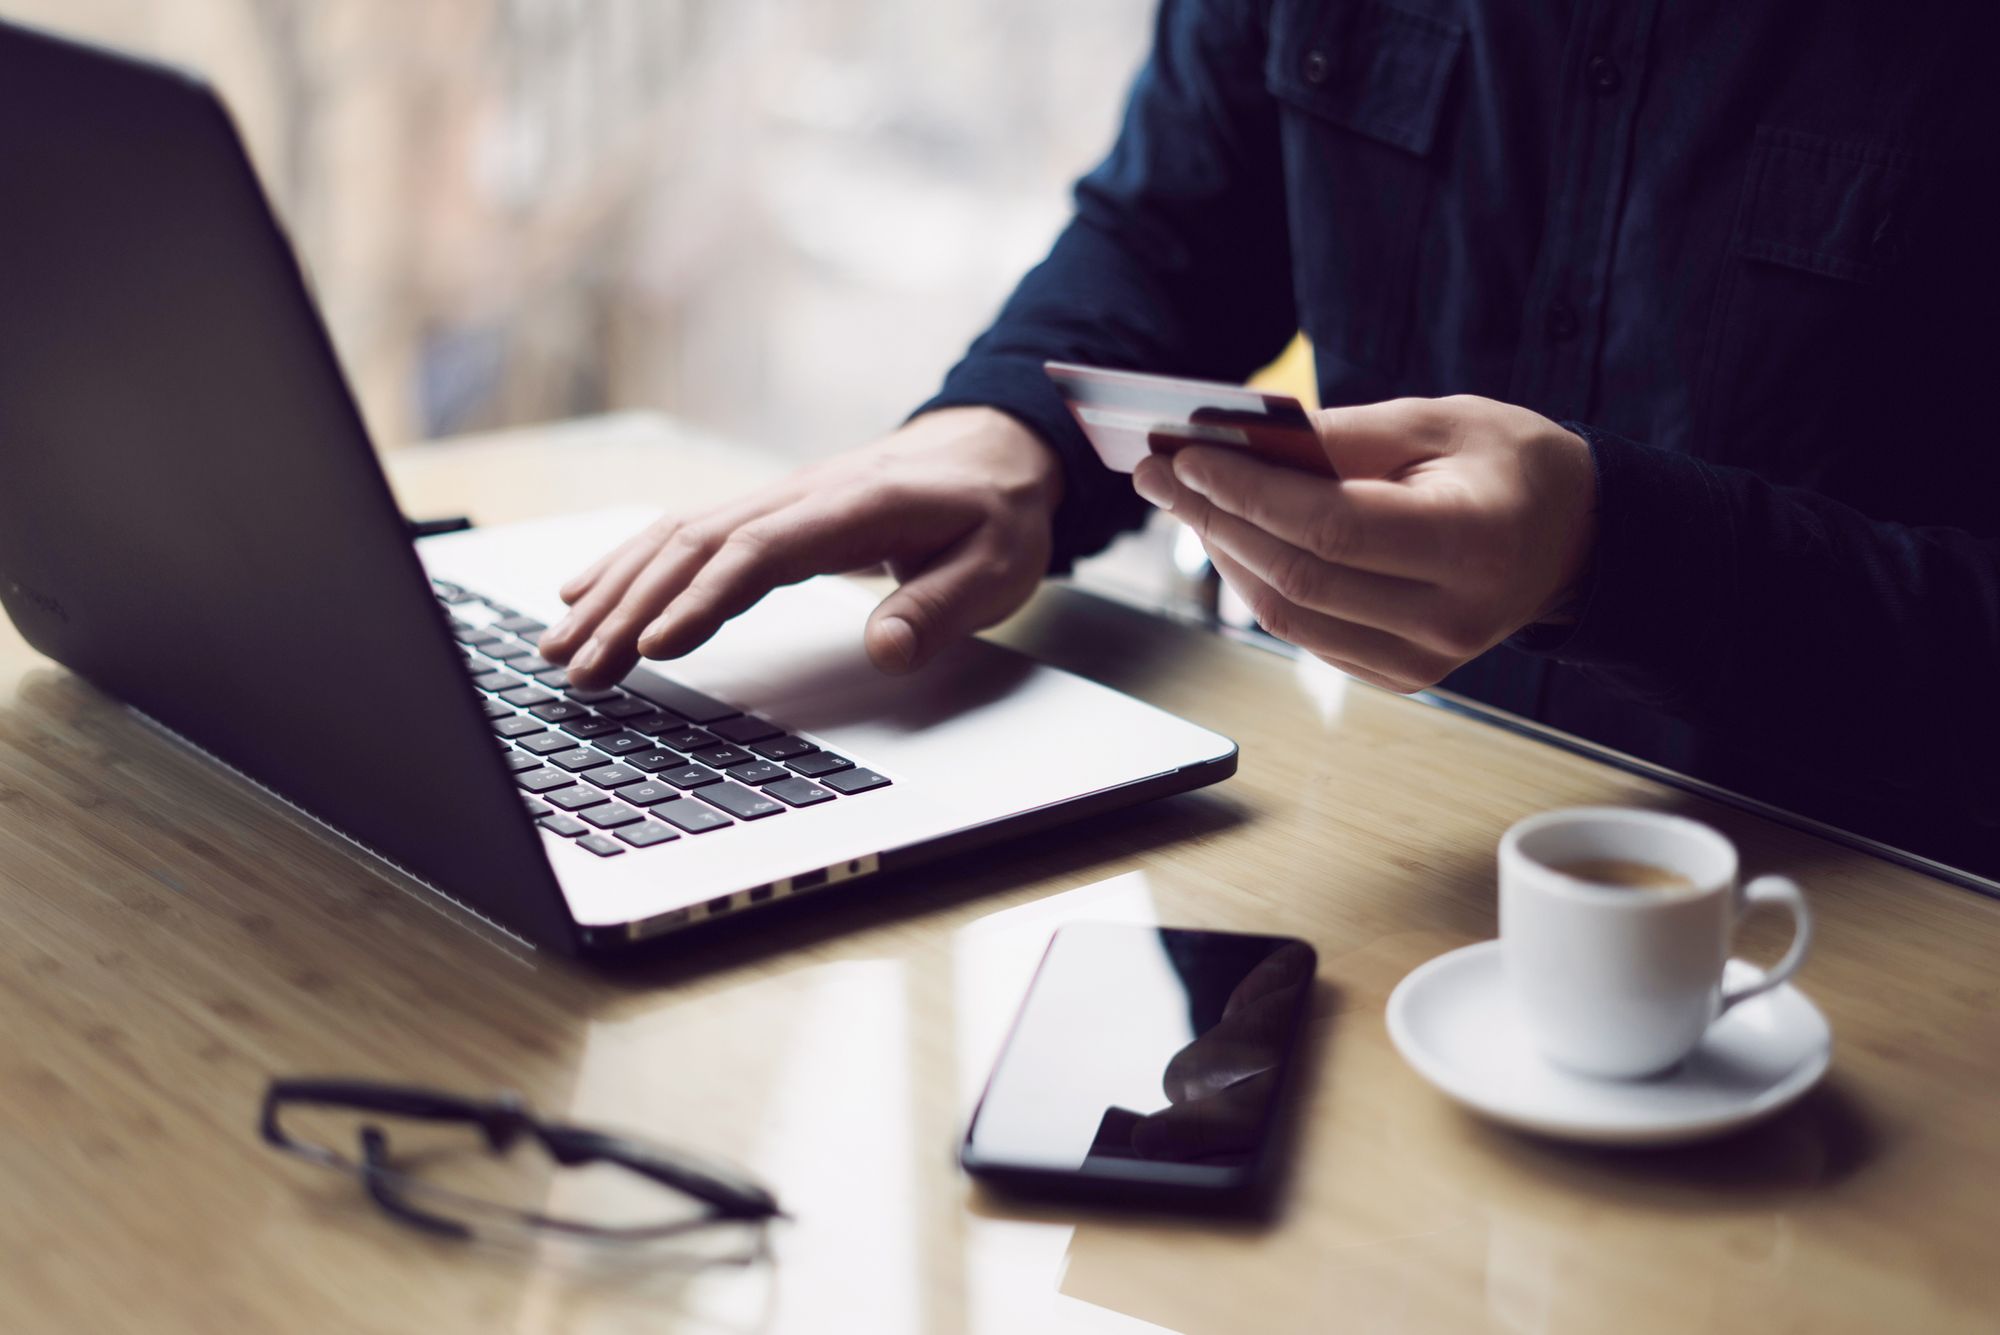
[(1624, 874), (1615, 926)]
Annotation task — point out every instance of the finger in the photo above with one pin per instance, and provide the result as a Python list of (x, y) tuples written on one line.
[(1375, 656), (567, 642), (560, 641), (816, 536), (1282, 971), (1400, 606), (1384, 440), (613, 647), (581, 582), (1224, 1123), (969, 589), (1385, 527)]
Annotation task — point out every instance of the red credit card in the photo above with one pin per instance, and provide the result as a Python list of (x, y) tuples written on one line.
[(1127, 416)]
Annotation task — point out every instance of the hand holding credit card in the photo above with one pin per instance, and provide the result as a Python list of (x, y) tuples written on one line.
[(1127, 415)]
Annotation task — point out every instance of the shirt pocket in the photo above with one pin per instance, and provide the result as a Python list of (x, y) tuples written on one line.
[(1818, 324), (1362, 88)]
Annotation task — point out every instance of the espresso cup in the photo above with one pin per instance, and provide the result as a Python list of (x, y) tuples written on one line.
[(1619, 976)]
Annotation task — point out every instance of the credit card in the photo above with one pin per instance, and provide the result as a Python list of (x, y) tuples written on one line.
[(1127, 415)]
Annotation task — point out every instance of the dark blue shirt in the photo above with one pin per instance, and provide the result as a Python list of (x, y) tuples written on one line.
[(1744, 248)]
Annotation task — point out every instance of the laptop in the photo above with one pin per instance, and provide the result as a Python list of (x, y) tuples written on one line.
[(192, 517)]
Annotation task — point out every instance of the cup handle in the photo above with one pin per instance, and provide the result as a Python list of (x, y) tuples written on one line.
[(1775, 890)]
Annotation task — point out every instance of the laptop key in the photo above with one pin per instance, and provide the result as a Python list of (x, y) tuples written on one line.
[(516, 761), (515, 726), (782, 747), (559, 711), (579, 758), (650, 685), (820, 762), (798, 792), (613, 776), (763, 771), (691, 776), (576, 799), (555, 678), (569, 827), (543, 779), (472, 636), (526, 697), (494, 709), (601, 844), (506, 650), (685, 738), (592, 696), (526, 627), (650, 793), (744, 728), (612, 815), (646, 834), (855, 781), (722, 757), (497, 681), (532, 666), (588, 728), (655, 760), (625, 706), (692, 816), (546, 743), (534, 809), (740, 802), (655, 723), (622, 743)]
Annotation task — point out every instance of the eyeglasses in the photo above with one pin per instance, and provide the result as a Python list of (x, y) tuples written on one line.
[(721, 1194)]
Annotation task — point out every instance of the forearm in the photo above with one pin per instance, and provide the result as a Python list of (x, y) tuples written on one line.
[(1788, 619), (1176, 260)]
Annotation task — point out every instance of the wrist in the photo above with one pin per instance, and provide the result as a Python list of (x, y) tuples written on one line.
[(1579, 537), (1024, 467)]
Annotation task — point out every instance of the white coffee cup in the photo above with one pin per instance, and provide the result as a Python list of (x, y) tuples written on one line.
[(1621, 981)]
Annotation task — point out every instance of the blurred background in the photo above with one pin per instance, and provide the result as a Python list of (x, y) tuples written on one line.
[(781, 220)]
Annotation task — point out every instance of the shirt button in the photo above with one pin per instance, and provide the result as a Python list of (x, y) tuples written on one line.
[(1885, 243), (1316, 67), (1561, 322), (1602, 75)]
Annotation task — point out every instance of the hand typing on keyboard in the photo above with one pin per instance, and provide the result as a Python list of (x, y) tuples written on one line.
[(957, 503)]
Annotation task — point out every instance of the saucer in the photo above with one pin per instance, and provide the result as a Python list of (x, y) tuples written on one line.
[(1455, 1024)]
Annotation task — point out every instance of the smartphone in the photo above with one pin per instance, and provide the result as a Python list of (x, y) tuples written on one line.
[(1127, 415), (1147, 1065)]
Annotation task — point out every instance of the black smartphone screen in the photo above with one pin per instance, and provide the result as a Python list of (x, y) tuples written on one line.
[(1145, 1062)]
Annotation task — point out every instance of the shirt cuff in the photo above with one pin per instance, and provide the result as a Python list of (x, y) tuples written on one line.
[(1654, 600), (1097, 503)]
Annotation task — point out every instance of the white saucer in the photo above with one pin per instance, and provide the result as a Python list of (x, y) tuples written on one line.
[(1454, 1022)]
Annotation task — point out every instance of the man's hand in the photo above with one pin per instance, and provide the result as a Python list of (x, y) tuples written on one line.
[(956, 503), (1456, 522)]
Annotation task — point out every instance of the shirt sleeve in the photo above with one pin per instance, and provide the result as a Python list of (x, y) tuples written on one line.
[(1790, 620), (1176, 260)]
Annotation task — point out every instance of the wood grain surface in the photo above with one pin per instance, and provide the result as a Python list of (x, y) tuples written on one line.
[(174, 938)]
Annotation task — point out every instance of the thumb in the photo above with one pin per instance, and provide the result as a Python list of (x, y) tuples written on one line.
[(1382, 440), (966, 590)]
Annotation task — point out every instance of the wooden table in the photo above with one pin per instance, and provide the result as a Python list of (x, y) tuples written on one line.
[(173, 939)]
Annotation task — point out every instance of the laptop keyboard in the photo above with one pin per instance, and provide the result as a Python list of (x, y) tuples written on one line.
[(640, 764)]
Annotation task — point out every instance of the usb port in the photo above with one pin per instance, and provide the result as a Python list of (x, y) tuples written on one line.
[(809, 880), (760, 894)]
